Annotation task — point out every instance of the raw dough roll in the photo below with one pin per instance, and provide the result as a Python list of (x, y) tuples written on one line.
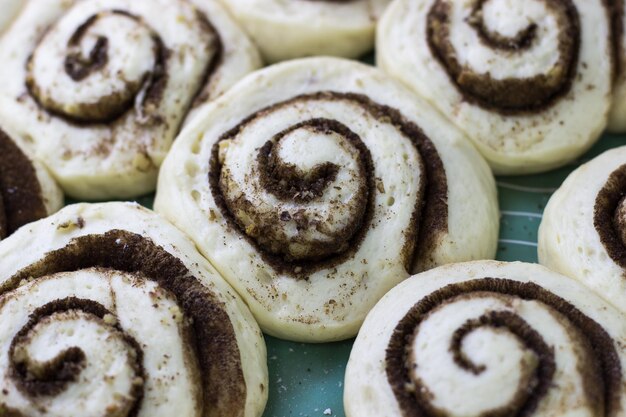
[(10, 9), (321, 189), (489, 339), (109, 310), (617, 117), (102, 86), (27, 191), (528, 81), (583, 231), (298, 28)]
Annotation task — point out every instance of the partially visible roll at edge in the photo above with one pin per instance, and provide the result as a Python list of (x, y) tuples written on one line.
[(581, 234), (300, 28), (68, 238), (28, 192)]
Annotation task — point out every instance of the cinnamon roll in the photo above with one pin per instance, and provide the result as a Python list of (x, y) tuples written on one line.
[(617, 117), (109, 310), (104, 86), (529, 82), (489, 339), (583, 231), (294, 29), (27, 190), (322, 189)]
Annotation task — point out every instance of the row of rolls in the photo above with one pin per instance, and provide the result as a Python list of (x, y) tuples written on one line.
[(302, 198), (100, 89)]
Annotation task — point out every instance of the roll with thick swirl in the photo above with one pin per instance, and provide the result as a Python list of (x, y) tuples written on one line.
[(583, 231), (322, 189), (299, 28), (109, 310), (27, 190), (103, 86), (489, 339), (529, 82)]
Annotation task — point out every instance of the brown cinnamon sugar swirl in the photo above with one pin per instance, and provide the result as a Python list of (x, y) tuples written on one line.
[(583, 232), (324, 187), (27, 191), (103, 87), (529, 82), (489, 338), (110, 311)]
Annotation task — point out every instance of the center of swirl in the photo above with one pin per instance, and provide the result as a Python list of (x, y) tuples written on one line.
[(308, 192), (507, 56), (108, 60)]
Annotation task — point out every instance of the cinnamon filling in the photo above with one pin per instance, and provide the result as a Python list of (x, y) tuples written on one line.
[(610, 216), (602, 373), (21, 199), (210, 331), (288, 183), (144, 93), (508, 95)]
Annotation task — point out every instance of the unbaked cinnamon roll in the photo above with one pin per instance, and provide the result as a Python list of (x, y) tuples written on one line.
[(298, 28), (109, 310), (583, 231), (27, 190), (104, 86), (489, 339), (529, 82), (323, 188)]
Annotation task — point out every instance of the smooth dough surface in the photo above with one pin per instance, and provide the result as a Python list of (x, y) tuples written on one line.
[(109, 307), (306, 194), (295, 29), (580, 234), (487, 337), (9, 8), (103, 87), (529, 82)]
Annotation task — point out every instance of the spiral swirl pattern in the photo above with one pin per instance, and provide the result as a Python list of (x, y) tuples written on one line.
[(109, 84), (326, 188), (313, 212), (493, 346), (112, 323), (513, 75), (597, 219), (503, 87), (27, 192)]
